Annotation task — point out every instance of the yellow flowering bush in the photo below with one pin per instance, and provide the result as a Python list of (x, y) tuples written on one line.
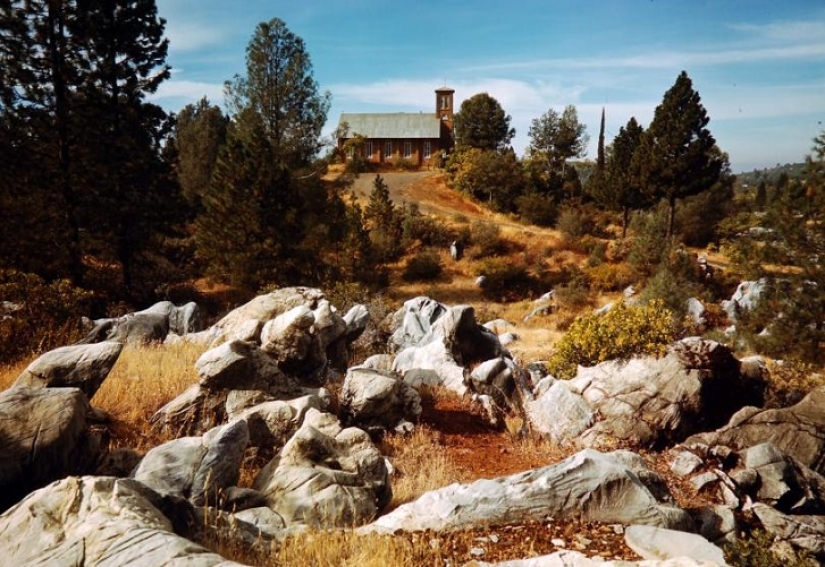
[(623, 331)]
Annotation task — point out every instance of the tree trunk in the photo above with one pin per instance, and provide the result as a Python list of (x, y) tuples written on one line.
[(625, 221), (671, 219), (61, 101)]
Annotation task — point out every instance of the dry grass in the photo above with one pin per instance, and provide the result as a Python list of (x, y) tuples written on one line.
[(141, 382), (420, 464)]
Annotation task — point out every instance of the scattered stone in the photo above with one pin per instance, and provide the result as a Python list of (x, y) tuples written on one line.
[(656, 543)]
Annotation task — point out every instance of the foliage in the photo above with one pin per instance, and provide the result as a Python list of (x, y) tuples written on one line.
[(358, 261), (794, 239), (755, 549), (490, 176), (49, 314), (354, 155), (505, 279), (622, 332), (538, 209), (424, 266), (556, 138), (280, 91), (611, 277), (384, 222), (75, 79), (200, 131), (650, 241), (482, 124), (486, 240), (677, 156), (698, 219), (424, 229), (573, 223), (621, 188)]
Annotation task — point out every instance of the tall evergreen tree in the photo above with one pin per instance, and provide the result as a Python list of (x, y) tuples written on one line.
[(596, 181), (384, 221), (200, 131), (280, 90), (622, 185), (41, 64), (677, 156)]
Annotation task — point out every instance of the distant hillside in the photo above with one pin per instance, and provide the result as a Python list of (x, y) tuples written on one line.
[(769, 175)]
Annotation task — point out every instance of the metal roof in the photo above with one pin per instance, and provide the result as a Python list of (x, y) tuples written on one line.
[(392, 125)]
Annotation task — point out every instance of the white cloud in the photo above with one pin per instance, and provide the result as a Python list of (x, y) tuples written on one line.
[(192, 36), (174, 95)]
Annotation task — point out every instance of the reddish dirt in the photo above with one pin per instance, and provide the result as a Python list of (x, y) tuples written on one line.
[(481, 451)]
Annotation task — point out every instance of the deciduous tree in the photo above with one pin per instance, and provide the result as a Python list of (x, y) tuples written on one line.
[(482, 124)]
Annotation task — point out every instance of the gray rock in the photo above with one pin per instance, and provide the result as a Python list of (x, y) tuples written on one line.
[(784, 483), (798, 431), (326, 476), (717, 524), (196, 468), (43, 437), (596, 487), (193, 412), (78, 366), (357, 319), (265, 307), (377, 401), (698, 314), (656, 543), (685, 463), (96, 522), (272, 423), (134, 328), (745, 298), (805, 532), (378, 362), (646, 401), (182, 320)]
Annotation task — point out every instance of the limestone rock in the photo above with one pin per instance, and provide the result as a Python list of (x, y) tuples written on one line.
[(611, 487), (377, 401), (263, 308), (798, 431), (784, 483), (78, 366), (357, 319), (656, 543), (645, 401), (196, 468), (806, 532), (272, 423), (43, 437), (745, 298), (326, 476), (96, 521)]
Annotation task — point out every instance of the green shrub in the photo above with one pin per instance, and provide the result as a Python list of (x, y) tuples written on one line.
[(537, 209), (611, 277), (486, 241), (756, 550), (49, 314), (622, 332), (424, 266), (650, 242), (506, 280), (424, 229), (573, 225)]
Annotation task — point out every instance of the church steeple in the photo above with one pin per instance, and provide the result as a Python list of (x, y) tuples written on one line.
[(444, 105)]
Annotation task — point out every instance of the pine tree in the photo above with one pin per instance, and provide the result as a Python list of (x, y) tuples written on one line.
[(623, 181), (677, 156), (383, 221), (279, 88), (200, 131)]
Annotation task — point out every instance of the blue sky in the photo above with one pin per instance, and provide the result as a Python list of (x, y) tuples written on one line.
[(759, 66)]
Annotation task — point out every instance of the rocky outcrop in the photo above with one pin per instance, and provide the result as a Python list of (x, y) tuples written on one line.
[(644, 401), (444, 340), (79, 366), (597, 487), (326, 476), (798, 431), (96, 521), (150, 325), (196, 468), (43, 437), (377, 401)]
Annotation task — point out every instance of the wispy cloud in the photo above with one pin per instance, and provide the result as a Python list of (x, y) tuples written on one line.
[(177, 94), (192, 36), (796, 32)]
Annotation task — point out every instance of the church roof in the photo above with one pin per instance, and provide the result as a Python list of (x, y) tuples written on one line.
[(391, 125)]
